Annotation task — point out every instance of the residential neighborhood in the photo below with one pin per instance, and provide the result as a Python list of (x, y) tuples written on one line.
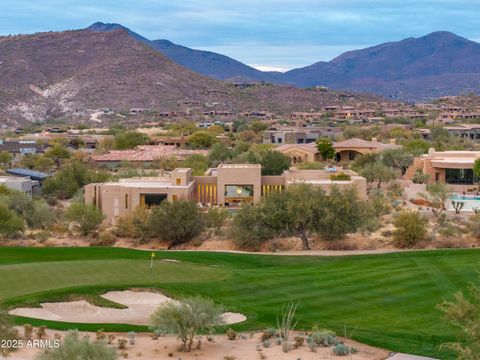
[(239, 180)]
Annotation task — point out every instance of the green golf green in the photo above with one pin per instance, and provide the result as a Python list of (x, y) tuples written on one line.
[(383, 300)]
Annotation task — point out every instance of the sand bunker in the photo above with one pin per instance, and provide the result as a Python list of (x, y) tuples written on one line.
[(141, 304)]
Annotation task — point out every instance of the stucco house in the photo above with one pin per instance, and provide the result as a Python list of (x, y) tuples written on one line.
[(452, 167), (300, 153), (348, 150), (229, 185)]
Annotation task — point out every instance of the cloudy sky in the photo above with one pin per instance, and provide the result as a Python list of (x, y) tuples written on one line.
[(267, 34)]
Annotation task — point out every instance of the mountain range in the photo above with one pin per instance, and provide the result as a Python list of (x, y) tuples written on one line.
[(68, 74), (437, 64)]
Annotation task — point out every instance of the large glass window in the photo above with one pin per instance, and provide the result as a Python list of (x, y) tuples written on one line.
[(238, 191), (460, 176), (237, 194), (149, 200)]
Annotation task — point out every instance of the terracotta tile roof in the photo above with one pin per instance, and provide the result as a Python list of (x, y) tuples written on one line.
[(307, 147), (360, 143), (147, 153)]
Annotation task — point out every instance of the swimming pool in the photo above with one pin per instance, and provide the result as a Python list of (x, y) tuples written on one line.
[(472, 202)]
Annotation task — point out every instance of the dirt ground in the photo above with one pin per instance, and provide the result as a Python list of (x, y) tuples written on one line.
[(248, 348)]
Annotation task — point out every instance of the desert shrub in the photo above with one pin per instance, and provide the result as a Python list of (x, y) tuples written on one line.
[(176, 222), (104, 238), (410, 228), (248, 231), (419, 177), (7, 332), (379, 203), (129, 140), (70, 179), (86, 217), (135, 225), (323, 337), (186, 318), (286, 324), (27, 331), (41, 332), (340, 177), (299, 340), (40, 216), (343, 213), (215, 217), (81, 348), (10, 222), (462, 314), (474, 225), (42, 236), (341, 349), (231, 334), (449, 229), (310, 166)]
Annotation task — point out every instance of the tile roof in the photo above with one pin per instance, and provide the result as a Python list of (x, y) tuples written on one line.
[(360, 143), (147, 153), (307, 147)]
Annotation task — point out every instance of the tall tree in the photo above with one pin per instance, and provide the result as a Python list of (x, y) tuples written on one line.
[(397, 159), (325, 148)]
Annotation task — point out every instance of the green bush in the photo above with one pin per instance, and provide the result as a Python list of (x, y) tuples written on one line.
[(215, 217), (129, 140), (10, 222), (474, 225), (135, 225), (248, 231), (341, 350), (78, 347), (87, 217), (176, 222), (410, 228), (186, 318), (104, 238), (7, 332), (340, 177), (70, 179), (323, 338)]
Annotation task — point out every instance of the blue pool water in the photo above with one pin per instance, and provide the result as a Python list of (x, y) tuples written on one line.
[(472, 202)]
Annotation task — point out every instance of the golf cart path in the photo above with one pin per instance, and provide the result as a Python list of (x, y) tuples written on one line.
[(308, 252)]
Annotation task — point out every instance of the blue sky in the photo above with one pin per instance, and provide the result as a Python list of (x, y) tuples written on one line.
[(280, 34)]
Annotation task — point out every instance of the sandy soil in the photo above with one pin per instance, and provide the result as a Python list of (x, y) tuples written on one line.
[(141, 304), (242, 349)]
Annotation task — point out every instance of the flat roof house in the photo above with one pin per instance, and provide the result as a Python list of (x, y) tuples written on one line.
[(22, 184), (229, 185), (452, 167)]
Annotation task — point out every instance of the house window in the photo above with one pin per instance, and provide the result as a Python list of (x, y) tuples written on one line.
[(460, 176), (238, 194), (174, 197), (126, 201), (178, 181), (150, 200), (351, 155)]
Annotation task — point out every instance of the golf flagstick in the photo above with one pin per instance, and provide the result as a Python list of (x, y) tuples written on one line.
[(152, 256)]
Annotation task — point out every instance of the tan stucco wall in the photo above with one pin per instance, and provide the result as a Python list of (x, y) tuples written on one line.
[(300, 155), (239, 175)]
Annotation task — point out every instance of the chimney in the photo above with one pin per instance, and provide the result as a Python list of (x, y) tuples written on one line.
[(374, 140), (393, 141), (431, 153)]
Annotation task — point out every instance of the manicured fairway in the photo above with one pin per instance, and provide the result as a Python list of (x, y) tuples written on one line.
[(383, 300)]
